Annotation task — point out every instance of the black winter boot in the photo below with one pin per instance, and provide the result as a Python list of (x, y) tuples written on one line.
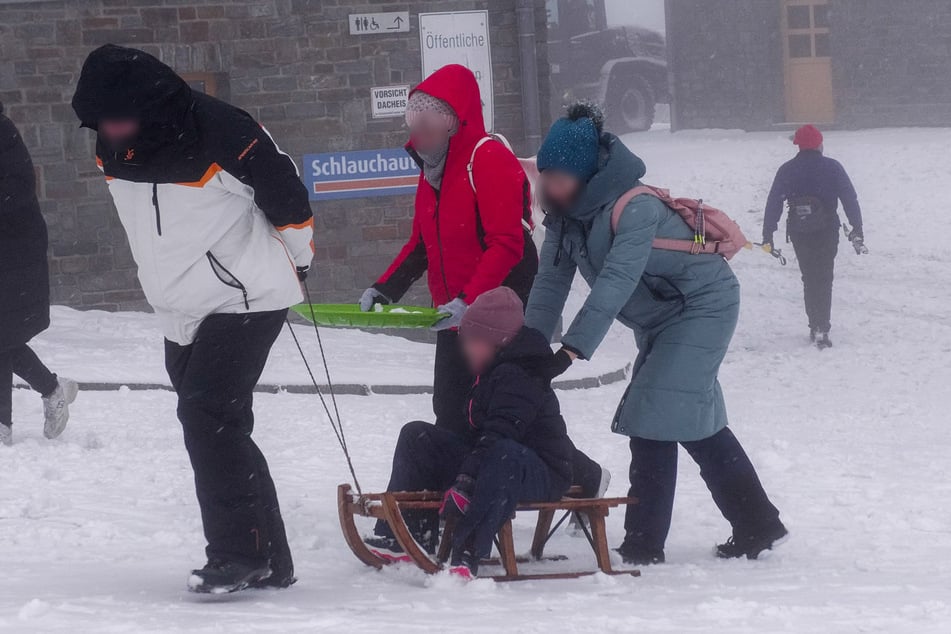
[(387, 548), (221, 577), (282, 576), (637, 555), (752, 546), (464, 565)]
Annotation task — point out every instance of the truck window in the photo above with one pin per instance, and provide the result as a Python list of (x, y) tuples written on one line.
[(568, 18)]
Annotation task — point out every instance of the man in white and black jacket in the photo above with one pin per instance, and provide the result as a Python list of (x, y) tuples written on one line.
[(221, 229)]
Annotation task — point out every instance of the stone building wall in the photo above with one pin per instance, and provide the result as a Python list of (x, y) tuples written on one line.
[(291, 63)]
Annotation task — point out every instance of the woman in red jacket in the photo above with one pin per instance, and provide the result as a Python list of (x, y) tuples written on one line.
[(470, 233)]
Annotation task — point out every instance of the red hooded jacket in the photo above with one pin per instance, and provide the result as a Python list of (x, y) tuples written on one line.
[(469, 242)]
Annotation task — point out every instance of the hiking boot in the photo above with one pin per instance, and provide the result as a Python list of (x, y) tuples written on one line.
[(274, 581), (282, 576), (753, 546), (387, 549), (56, 407), (636, 555), (813, 332), (823, 341), (6, 435), (221, 577), (579, 521)]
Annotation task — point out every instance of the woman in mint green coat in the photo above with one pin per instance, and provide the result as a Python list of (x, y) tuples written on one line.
[(682, 309)]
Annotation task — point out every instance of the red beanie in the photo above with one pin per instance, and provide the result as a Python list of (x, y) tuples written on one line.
[(495, 316), (808, 137)]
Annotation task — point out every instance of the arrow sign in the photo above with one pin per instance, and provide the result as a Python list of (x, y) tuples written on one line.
[(375, 23)]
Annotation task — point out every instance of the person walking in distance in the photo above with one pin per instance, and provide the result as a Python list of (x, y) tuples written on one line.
[(811, 185), (24, 289), (682, 309), (222, 232)]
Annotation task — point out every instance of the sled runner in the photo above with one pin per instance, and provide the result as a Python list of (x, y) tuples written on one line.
[(389, 507)]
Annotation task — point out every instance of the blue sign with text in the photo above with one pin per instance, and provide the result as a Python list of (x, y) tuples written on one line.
[(360, 174)]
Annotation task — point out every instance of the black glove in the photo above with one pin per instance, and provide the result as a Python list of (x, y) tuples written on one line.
[(457, 499), (302, 272), (768, 242), (559, 364)]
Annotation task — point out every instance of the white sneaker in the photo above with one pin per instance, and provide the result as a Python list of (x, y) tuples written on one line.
[(579, 521), (56, 407), (6, 435)]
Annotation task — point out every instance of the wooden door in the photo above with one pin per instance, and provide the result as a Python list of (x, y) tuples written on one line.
[(808, 62)]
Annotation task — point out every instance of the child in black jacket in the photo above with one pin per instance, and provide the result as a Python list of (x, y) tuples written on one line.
[(517, 449)]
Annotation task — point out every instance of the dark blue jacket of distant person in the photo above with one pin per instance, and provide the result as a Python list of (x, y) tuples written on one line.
[(811, 174)]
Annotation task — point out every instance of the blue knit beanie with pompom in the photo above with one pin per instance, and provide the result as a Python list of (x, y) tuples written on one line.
[(573, 144)]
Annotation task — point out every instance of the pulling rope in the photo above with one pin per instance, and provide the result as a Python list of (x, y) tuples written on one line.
[(335, 422)]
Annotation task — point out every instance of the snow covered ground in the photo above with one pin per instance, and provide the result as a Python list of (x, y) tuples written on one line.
[(99, 528)]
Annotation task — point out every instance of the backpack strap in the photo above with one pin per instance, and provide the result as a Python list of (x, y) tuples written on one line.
[(526, 224), (664, 244), (471, 165), (661, 194)]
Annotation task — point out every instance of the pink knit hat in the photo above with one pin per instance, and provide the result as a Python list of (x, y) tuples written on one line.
[(495, 317), (424, 107)]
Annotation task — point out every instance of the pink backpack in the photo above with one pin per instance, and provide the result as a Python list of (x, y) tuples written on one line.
[(715, 233)]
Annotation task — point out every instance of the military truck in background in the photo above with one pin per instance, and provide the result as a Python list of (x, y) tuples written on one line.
[(623, 68)]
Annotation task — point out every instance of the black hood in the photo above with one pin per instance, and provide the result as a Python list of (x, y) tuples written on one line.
[(120, 82), (529, 350), (125, 82)]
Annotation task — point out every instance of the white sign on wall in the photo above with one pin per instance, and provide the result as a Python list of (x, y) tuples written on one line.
[(388, 101), (379, 23), (460, 37)]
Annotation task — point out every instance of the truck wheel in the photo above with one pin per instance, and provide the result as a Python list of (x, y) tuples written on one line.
[(631, 104)]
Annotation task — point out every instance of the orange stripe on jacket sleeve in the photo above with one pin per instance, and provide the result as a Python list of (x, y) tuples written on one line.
[(303, 225), (210, 173)]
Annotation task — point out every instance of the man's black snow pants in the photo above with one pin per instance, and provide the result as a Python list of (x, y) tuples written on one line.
[(22, 361), (428, 458), (215, 377), (724, 467), (451, 384), (816, 254)]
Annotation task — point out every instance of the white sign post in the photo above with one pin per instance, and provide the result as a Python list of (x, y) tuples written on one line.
[(460, 37), (379, 23), (388, 101)]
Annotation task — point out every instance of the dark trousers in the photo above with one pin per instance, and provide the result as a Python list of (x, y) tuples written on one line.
[(428, 458), (816, 254), (22, 361), (451, 384), (215, 378), (724, 467)]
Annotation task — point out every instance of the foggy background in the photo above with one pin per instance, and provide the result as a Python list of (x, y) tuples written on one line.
[(646, 13)]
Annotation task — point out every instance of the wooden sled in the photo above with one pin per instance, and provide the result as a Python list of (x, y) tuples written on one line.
[(389, 506)]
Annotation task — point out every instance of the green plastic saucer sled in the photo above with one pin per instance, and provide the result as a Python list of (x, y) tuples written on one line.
[(350, 316)]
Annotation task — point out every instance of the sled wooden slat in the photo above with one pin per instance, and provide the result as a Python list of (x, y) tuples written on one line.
[(552, 576), (390, 506), (566, 504), (542, 531), (347, 509), (394, 517)]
